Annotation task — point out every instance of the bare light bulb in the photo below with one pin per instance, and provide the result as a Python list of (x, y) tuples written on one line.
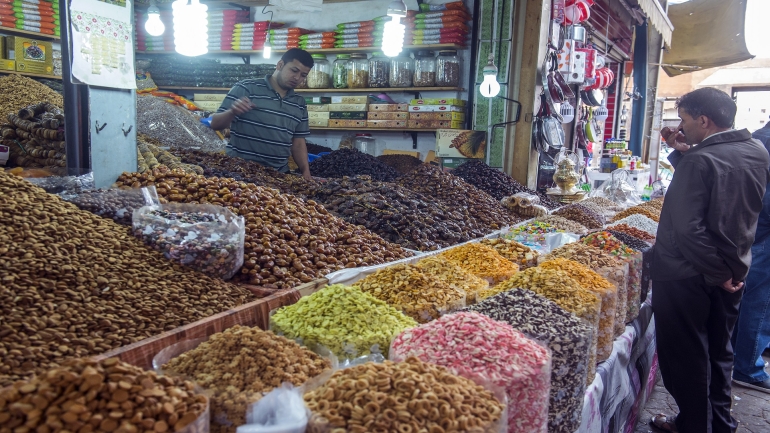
[(154, 26), (490, 87), (267, 49)]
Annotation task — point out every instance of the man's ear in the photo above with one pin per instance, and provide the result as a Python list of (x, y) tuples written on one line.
[(279, 65), (704, 121)]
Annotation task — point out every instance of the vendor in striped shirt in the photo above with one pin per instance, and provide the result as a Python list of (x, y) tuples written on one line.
[(267, 120)]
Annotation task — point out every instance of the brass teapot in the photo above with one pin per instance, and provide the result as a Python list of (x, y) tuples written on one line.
[(566, 177)]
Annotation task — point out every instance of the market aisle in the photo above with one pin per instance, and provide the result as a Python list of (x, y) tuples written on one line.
[(750, 407)]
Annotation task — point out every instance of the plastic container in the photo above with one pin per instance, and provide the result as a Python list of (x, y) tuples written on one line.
[(448, 69), (364, 143), (320, 76), (340, 71), (401, 71), (358, 71), (424, 69), (379, 70)]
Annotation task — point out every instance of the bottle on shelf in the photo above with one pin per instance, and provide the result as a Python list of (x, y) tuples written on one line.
[(320, 75), (358, 71), (424, 69), (379, 70), (448, 69), (340, 73), (401, 71)]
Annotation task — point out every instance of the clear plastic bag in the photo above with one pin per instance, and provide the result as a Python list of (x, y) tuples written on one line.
[(204, 237), (282, 410), (115, 204), (173, 125), (525, 205), (619, 189), (64, 186)]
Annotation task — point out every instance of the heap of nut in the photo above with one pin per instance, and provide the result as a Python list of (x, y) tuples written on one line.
[(103, 396), (351, 162), (289, 241), (75, 284), (149, 156), (36, 136)]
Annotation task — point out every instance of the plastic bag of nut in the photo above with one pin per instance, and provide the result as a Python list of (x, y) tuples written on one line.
[(618, 188), (115, 204), (204, 237), (64, 186)]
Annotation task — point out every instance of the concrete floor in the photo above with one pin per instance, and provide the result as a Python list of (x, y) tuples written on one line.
[(750, 407)]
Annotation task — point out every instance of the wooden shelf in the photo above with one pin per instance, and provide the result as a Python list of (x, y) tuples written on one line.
[(325, 50), (365, 90), (408, 130), (19, 32), (26, 74)]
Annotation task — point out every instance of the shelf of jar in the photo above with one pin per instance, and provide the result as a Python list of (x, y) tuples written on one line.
[(357, 90), (27, 74), (325, 50)]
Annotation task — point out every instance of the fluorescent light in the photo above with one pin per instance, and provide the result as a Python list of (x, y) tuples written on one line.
[(190, 28), (394, 32)]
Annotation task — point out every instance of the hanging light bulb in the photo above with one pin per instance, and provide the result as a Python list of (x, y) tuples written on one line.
[(267, 49), (394, 32), (490, 87), (154, 26), (191, 32)]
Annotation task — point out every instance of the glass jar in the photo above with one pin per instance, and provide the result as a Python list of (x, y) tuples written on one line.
[(302, 84), (340, 73), (424, 69), (379, 70), (448, 69), (364, 143), (320, 75), (401, 71), (358, 71)]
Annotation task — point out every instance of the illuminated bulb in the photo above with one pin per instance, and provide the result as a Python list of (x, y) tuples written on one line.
[(154, 26), (190, 28), (394, 31), (490, 87), (267, 50)]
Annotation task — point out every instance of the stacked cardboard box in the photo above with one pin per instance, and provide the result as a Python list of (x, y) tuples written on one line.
[(436, 113), (387, 116), (209, 101)]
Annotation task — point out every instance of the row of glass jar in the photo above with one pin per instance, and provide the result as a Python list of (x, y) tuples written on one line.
[(355, 71)]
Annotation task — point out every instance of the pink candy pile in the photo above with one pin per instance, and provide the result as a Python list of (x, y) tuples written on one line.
[(473, 345)]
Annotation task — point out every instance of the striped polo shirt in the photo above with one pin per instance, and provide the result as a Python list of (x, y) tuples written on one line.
[(264, 134)]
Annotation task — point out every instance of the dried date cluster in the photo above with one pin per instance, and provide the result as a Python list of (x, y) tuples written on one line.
[(454, 193), (288, 240), (76, 285), (393, 212), (582, 215), (401, 163), (351, 162), (496, 183)]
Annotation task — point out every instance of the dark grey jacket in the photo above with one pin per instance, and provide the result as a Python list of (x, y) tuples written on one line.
[(710, 214)]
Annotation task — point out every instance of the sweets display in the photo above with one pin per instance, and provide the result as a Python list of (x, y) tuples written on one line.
[(523, 256), (482, 261), (454, 276), (581, 214)]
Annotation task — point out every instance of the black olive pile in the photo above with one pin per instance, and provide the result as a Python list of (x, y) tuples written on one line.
[(315, 149), (401, 163), (351, 162), (496, 183)]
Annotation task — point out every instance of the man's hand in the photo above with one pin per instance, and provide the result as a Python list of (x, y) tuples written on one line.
[(241, 106), (307, 176), (675, 139), (731, 286)]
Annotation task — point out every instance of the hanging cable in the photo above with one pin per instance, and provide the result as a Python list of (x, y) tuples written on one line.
[(267, 49), (500, 36)]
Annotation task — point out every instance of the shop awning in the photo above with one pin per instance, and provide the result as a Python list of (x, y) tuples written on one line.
[(748, 77), (658, 19), (709, 33)]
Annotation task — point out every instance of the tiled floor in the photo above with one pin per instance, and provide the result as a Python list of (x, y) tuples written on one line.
[(751, 408)]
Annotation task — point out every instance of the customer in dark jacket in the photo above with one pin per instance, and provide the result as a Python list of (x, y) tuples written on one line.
[(701, 258), (752, 331)]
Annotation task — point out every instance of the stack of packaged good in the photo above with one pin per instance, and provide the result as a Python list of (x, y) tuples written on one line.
[(348, 111), (387, 116), (221, 26), (284, 39), (438, 24), (446, 113), (31, 15), (147, 42), (251, 36), (315, 41), (355, 35)]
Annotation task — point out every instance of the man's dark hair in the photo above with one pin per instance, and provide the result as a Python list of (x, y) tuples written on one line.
[(298, 54), (710, 102)]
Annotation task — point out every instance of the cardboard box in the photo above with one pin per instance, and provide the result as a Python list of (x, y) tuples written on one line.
[(350, 99), (208, 105), (434, 108), (388, 115), (8, 65), (436, 115), (219, 97), (386, 123), (318, 122), (318, 115), (388, 107), (31, 55), (438, 101), (347, 107), (340, 123), (317, 108), (358, 115), (458, 143), (430, 124), (449, 164), (317, 100)]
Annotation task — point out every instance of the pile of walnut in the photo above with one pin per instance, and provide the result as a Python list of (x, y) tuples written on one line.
[(149, 156), (239, 365), (36, 136), (288, 240), (102, 396)]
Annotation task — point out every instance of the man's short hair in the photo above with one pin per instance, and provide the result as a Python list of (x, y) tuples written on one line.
[(298, 54), (710, 102)]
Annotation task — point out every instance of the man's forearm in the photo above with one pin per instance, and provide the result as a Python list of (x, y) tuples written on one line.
[(222, 120), (299, 153)]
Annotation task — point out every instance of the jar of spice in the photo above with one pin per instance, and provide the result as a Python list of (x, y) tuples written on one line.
[(448, 69), (379, 70), (340, 72), (401, 71), (358, 71), (424, 69), (320, 75), (364, 143)]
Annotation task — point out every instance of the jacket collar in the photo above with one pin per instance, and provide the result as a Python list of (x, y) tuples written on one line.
[(725, 137)]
